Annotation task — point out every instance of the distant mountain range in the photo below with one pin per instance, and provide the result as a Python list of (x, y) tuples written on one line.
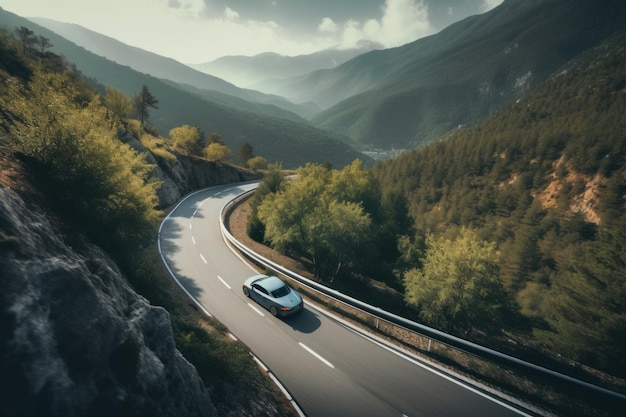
[(408, 96), (170, 69), (274, 133), (398, 98), (265, 72)]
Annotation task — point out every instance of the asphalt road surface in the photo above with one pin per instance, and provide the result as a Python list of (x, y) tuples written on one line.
[(327, 367)]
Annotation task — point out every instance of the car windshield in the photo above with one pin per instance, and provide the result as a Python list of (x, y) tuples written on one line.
[(280, 292)]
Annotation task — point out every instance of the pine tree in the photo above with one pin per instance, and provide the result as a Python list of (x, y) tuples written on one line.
[(143, 101)]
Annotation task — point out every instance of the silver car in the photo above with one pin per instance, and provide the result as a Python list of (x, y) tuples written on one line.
[(273, 294)]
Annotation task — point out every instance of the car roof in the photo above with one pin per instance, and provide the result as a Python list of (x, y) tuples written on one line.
[(270, 283)]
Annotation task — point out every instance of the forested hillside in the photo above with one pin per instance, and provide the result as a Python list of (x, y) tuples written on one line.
[(75, 337), (543, 183)]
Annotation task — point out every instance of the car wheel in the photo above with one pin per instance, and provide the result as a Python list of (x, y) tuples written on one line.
[(273, 310), (246, 291)]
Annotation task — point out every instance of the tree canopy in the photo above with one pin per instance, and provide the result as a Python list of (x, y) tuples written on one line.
[(101, 182), (543, 180), (217, 152), (458, 286), (245, 153), (187, 137), (315, 216), (118, 103)]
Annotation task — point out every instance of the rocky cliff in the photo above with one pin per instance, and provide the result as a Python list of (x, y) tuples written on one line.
[(74, 338), (187, 173)]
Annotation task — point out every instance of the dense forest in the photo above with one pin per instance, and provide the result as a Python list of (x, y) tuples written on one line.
[(510, 230), (544, 181)]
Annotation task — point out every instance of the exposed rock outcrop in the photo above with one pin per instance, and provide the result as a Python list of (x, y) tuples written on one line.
[(187, 173), (75, 339)]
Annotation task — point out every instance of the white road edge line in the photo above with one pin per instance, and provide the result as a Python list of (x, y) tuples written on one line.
[(312, 352), (259, 312), (279, 385), (203, 260), (224, 282), (261, 364), (421, 362)]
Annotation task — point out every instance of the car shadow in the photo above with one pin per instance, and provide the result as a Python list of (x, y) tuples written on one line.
[(305, 321)]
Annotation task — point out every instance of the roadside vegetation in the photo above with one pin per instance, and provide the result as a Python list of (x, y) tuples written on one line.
[(337, 219), (517, 229), (65, 135)]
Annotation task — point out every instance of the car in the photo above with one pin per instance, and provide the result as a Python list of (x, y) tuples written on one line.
[(273, 294)]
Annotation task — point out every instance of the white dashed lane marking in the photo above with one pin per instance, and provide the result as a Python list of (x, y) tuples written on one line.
[(312, 352), (224, 282)]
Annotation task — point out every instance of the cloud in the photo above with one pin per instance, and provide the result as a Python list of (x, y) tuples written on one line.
[(188, 8), (489, 4), (327, 25), (230, 13), (200, 30), (402, 21)]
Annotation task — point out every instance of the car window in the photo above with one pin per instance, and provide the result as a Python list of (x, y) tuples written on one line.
[(259, 288), (280, 292)]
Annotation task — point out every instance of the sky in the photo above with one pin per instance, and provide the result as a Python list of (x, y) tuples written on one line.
[(196, 31)]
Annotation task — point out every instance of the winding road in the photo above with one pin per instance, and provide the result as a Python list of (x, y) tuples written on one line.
[(327, 367)]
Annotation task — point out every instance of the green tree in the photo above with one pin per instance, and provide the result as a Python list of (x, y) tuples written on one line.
[(98, 180), (586, 304), (245, 153), (257, 162), (272, 182), (311, 217), (120, 105), (143, 101), (26, 37), (42, 44), (10, 59), (458, 287), (217, 152), (187, 137), (214, 138)]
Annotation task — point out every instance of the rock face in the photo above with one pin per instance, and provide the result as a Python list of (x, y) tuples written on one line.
[(75, 339), (187, 173)]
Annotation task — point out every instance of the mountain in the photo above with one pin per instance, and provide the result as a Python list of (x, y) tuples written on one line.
[(544, 179), (170, 69), (276, 139), (406, 96), (265, 71)]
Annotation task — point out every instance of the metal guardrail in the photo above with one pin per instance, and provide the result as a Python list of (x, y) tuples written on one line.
[(593, 394)]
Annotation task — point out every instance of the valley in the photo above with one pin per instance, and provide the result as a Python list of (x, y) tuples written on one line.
[(472, 180)]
